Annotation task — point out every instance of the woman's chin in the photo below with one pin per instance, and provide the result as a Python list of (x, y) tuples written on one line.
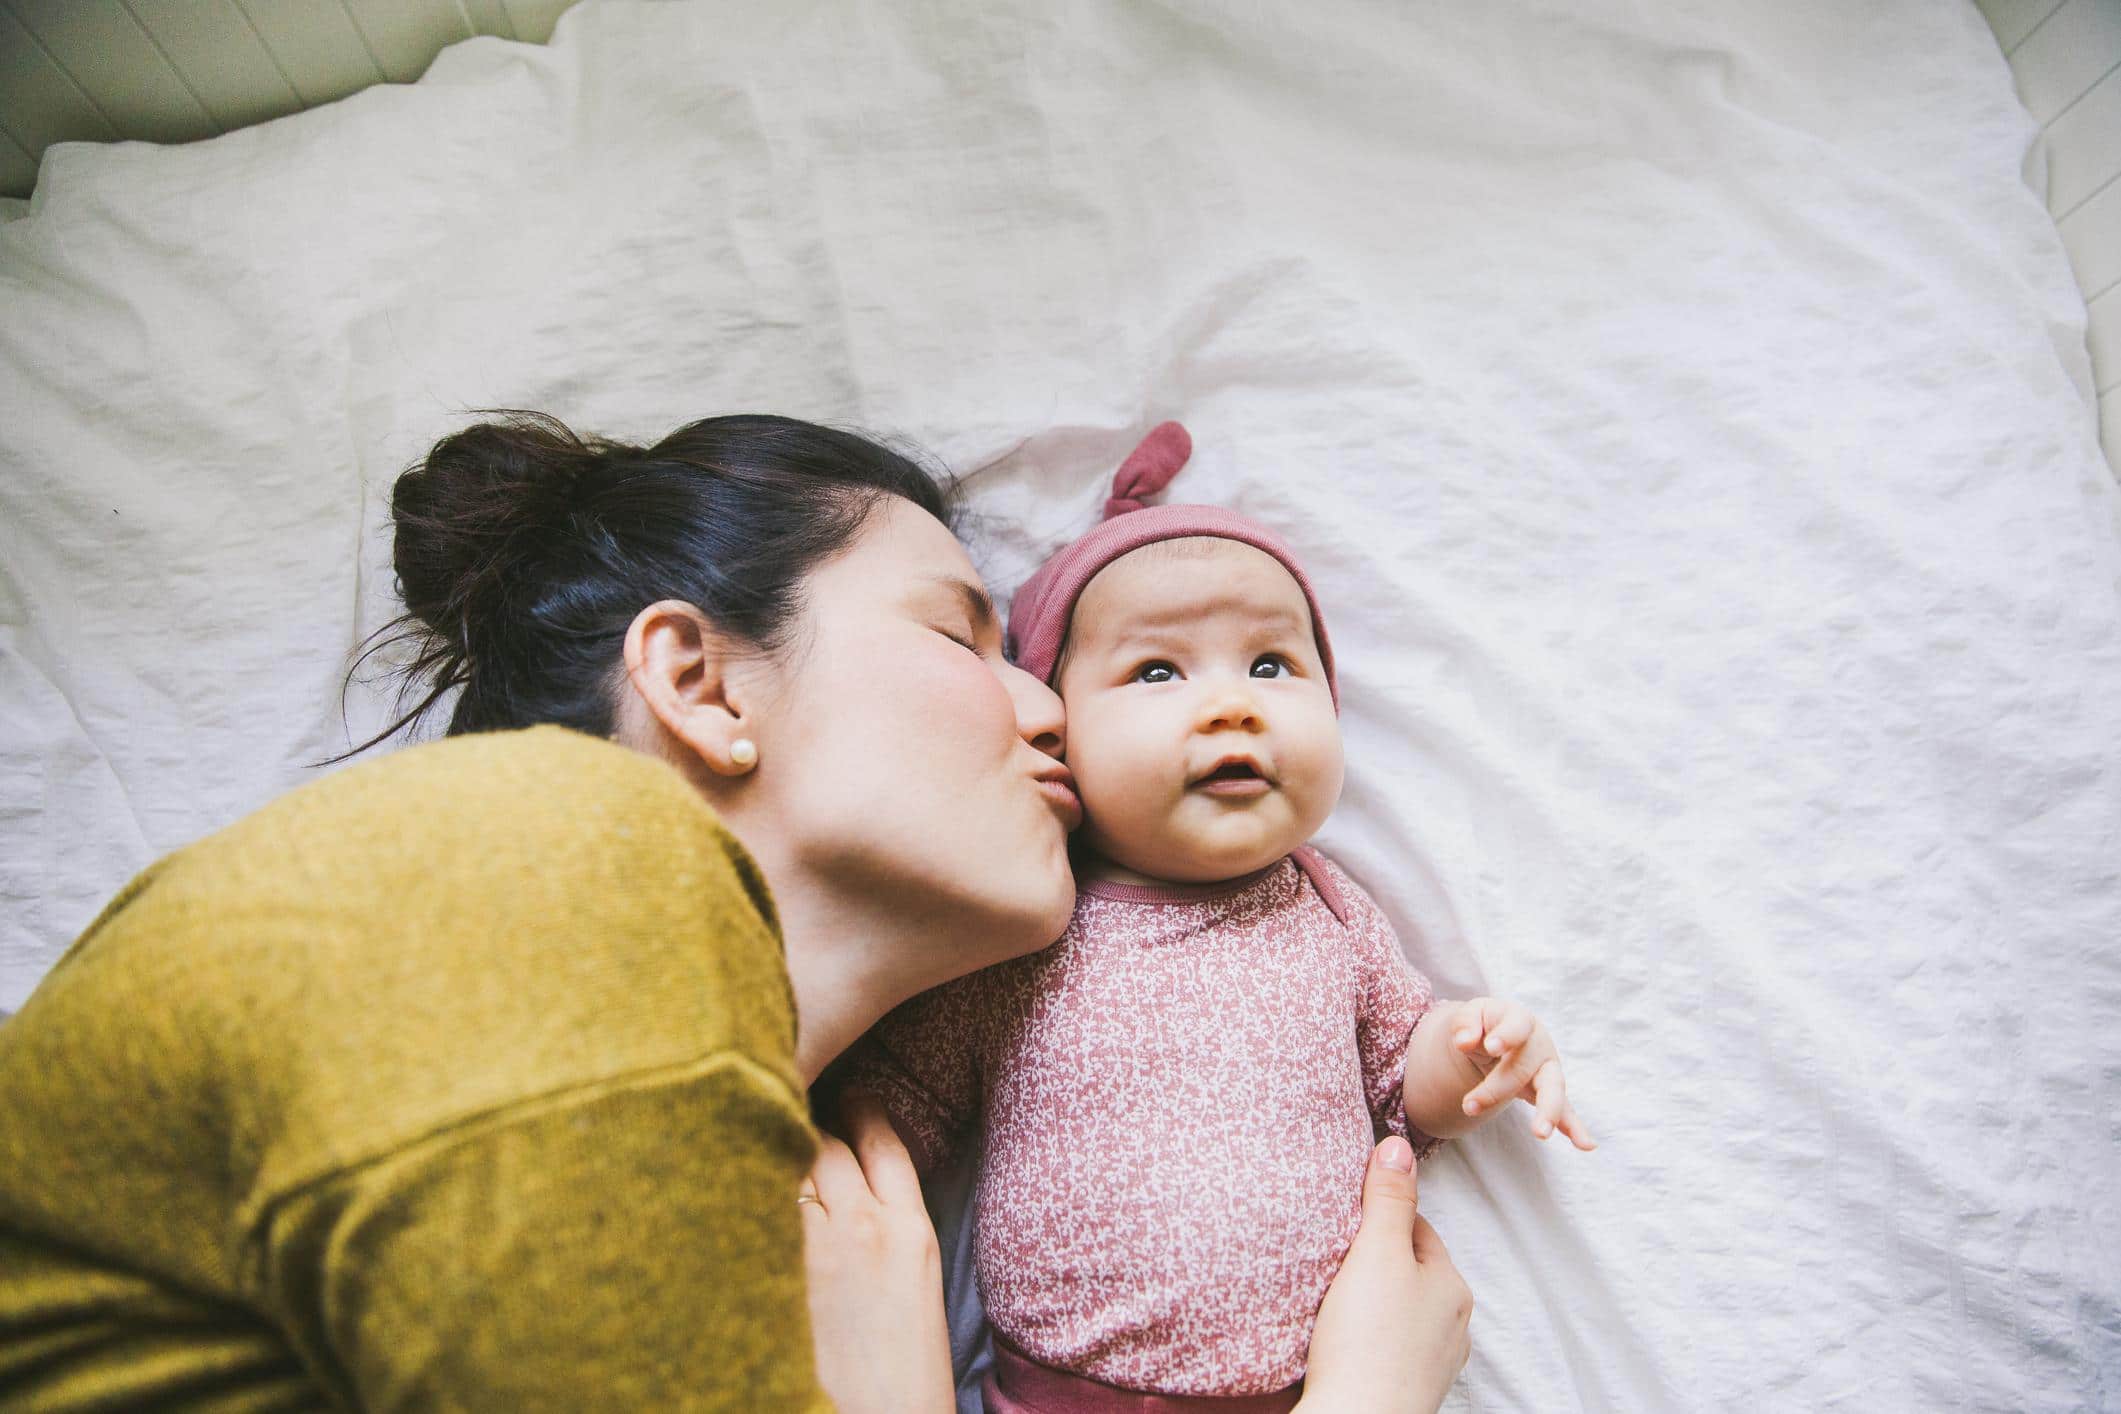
[(1060, 908), (1035, 912)]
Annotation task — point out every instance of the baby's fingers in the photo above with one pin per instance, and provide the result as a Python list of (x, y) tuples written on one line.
[(1511, 1029), (1503, 1084), (1573, 1127), (1550, 1097), (1470, 1025)]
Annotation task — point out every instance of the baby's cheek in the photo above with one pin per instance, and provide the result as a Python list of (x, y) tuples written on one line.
[(1335, 770), (1333, 776), (1110, 790), (1321, 769), (1121, 788)]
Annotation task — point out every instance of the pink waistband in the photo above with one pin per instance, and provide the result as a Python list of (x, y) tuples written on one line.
[(1020, 1385)]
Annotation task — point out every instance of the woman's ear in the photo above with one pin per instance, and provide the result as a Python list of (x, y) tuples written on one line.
[(681, 669)]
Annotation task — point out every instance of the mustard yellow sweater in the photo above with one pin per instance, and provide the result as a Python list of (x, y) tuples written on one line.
[(459, 1080)]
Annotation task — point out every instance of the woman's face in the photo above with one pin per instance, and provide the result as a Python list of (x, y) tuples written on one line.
[(901, 758)]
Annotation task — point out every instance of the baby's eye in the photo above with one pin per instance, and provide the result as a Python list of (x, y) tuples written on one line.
[(1270, 665), (1154, 672)]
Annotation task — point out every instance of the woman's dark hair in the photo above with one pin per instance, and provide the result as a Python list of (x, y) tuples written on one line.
[(524, 551)]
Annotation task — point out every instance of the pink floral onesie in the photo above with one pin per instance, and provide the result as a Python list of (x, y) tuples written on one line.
[(1177, 1102)]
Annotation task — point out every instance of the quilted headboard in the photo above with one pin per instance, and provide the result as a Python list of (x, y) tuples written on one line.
[(2066, 56), (179, 70)]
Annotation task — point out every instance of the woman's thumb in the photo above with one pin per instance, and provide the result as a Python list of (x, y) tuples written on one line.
[(1388, 1191)]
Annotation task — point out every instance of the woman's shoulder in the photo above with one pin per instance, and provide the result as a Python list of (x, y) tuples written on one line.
[(499, 842), (544, 810), (545, 778), (449, 930)]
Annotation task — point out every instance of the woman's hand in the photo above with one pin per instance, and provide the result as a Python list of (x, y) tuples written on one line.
[(875, 1272), (1392, 1331)]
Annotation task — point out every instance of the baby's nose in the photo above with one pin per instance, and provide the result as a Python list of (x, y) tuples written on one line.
[(1233, 710)]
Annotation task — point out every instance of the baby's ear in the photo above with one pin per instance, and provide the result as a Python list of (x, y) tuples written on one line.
[(1149, 468)]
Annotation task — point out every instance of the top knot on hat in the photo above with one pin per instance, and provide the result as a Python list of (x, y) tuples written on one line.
[(1149, 468), (1040, 612)]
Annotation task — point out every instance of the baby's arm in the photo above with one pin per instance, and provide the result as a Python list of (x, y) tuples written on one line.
[(923, 1062), (1473, 1057), (1462, 1062), (1392, 999)]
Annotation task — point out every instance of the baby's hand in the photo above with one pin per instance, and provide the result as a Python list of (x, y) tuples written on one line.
[(1516, 1056)]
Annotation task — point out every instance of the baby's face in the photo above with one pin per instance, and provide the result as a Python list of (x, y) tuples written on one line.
[(1200, 727)]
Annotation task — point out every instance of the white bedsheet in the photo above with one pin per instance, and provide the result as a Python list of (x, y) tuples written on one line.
[(1683, 409)]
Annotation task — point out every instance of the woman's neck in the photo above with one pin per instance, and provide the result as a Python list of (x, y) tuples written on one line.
[(852, 959), (854, 947), (835, 999)]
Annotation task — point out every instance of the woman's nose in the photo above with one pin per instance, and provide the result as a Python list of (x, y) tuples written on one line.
[(1040, 718)]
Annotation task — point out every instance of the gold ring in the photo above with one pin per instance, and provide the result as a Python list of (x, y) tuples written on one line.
[(802, 1198)]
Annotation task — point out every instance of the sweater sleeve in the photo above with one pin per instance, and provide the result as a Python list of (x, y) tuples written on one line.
[(466, 1074), (633, 1244), (1392, 997)]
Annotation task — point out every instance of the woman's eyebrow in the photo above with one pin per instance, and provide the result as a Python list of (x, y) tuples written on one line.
[(977, 603)]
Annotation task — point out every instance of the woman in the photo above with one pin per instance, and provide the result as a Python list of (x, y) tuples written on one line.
[(471, 1077)]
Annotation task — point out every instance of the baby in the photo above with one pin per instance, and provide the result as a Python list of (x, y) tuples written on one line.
[(1178, 1099)]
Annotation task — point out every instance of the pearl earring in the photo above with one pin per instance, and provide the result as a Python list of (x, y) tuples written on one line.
[(744, 752)]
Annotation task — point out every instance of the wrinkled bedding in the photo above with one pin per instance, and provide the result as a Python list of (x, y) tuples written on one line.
[(1683, 411)]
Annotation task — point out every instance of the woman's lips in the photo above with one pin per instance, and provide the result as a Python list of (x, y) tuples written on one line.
[(1064, 802)]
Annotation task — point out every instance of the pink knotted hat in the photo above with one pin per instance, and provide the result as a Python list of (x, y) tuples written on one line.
[(1038, 617)]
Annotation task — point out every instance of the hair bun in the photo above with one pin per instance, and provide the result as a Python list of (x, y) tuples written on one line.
[(524, 553), (472, 513)]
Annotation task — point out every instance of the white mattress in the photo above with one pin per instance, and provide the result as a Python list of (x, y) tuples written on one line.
[(1683, 409)]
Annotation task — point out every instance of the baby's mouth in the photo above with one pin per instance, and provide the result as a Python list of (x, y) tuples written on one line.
[(1234, 779)]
